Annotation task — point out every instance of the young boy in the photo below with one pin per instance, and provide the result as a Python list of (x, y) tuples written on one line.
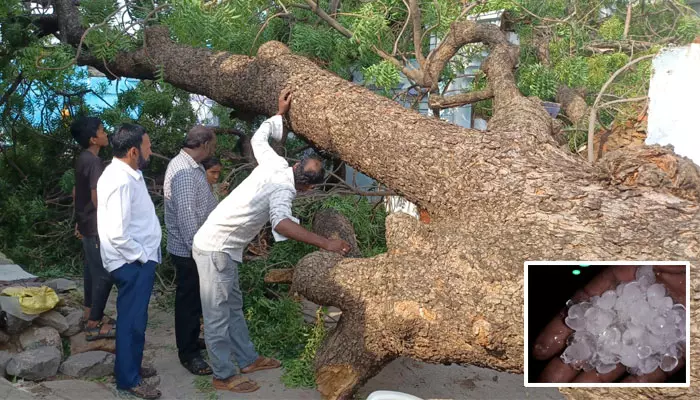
[(89, 133)]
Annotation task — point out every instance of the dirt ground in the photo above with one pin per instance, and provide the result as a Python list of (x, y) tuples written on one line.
[(427, 381)]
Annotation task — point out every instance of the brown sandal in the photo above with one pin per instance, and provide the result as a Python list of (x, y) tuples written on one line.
[(260, 364), (145, 391), (236, 383)]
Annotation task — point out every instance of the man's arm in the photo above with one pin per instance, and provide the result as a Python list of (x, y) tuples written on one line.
[(183, 193), (96, 170), (116, 218), (280, 213), (292, 230), (262, 151)]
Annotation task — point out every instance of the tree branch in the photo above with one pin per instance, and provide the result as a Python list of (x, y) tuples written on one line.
[(459, 100), (333, 6), (405, 24), (417, 31), (11, 89), (594, 108), (630, 100), (412, 74), (332, 22), (628, 19)]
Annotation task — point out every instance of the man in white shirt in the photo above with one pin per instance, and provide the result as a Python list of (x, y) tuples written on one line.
[(266, 195), (130, 236)]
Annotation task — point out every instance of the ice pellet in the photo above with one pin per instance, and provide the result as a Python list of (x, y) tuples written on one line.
[(605, 368), (635, 324), (575, 323), (607, 300), (645, 276), (668, 362)]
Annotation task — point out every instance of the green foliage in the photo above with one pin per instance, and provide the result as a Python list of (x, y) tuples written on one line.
[(225, 25), (96, 11), (602, 66), (688, 28), (612, 29), (204, 385), (106, 42), (300, 372), (572, 71), (371, 29), (537, 80), (383, 75), (313, 42), (482, 108), (67, 181)]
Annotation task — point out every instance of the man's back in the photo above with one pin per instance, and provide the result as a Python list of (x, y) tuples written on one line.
[(241, 215), (188, 202)]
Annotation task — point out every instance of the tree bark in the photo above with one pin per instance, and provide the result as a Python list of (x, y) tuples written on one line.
[(452, 290)]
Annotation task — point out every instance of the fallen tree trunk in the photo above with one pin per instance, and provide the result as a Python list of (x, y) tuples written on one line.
[(451, 290)]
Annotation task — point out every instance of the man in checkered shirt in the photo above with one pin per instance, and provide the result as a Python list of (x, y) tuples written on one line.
[(188, 202), (266, 195)]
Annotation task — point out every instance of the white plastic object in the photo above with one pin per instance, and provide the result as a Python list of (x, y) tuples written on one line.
[(389, 395)]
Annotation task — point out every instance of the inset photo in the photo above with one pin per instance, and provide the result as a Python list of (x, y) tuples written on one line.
[(607, 323)]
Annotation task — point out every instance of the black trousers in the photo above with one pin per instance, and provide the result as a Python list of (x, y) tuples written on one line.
[(188, 308), (97, 282)]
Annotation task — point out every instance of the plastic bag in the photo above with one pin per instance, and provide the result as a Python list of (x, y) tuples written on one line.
[(33, 300)]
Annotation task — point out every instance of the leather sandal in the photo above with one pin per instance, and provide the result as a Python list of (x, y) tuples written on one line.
[(261, 363), (236, 383)]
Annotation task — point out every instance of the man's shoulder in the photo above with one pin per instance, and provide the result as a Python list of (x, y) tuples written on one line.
[(179, 163), (280, 176), (113, 177), (86, 159)]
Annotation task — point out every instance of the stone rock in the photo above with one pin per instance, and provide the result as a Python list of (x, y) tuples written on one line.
[(12, 324), (5, 259), (75, 323), (54, 319), (36, 364), (4, 337), (91, 364), (65, 310), (5, 357), (8, 391), (36, 337), (78, 344), (77, 389), (61, 285)]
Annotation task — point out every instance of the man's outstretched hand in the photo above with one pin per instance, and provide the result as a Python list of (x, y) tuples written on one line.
[(338, 246), (552, 340), (284, 102)]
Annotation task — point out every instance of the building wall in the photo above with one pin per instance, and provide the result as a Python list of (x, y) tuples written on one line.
[(674, 96), (695, 4)]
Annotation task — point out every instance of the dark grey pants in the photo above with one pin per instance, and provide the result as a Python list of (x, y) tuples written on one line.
[(97, 282)]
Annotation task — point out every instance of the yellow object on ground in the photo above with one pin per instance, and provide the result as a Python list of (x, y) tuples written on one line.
[(33, 300)]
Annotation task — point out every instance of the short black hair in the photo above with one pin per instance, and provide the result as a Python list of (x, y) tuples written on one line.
[(307, 176), (85, 128), (126, 137), (210, 163), (198, 136)]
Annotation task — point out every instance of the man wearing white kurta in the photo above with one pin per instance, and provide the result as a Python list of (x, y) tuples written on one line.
[(130, 236), (266, 195)]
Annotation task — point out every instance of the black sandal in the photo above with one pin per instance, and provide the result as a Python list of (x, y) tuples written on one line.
[(197, 366)]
